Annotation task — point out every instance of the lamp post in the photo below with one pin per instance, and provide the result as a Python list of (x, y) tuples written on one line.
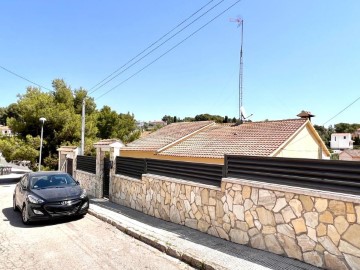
[(42, 119)]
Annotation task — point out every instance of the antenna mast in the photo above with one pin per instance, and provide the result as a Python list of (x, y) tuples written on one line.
[(240, 23)]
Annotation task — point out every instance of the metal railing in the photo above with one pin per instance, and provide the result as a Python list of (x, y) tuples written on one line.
[(4, 170), (331, 175)]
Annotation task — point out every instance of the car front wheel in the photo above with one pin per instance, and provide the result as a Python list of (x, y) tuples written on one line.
[(14, 204), (24, 216)]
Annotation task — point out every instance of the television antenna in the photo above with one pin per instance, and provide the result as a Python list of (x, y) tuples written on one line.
[(240, 23)]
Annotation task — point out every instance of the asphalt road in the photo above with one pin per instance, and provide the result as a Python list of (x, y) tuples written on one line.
[(85, 243)]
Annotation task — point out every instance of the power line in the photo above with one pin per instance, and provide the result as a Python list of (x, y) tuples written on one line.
[(152, 44), (172, 48), (342, 110), (17, 75), (111, 77)]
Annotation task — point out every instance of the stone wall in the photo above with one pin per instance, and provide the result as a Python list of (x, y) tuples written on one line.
[(320, 228), (88, 181)]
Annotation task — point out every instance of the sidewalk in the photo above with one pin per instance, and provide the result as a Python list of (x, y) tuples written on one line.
[(198, 249)]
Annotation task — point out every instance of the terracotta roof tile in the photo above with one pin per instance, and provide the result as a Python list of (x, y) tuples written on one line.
[(253, 138), (166, 135), (352, 152)]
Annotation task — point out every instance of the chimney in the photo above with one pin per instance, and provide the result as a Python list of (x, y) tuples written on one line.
[(306, 115)]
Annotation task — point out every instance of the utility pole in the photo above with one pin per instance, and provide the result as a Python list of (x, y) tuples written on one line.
[(240, 23), (83, 128)]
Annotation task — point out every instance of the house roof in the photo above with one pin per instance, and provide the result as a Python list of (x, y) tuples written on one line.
[(355, 153), (167, 135), (250, 138)]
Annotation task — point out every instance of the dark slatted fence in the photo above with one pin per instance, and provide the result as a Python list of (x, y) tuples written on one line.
[(198, 172), (86, 164), (331, 175), (133, 167)]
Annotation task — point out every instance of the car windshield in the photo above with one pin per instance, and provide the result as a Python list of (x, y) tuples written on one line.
[(48, 181)]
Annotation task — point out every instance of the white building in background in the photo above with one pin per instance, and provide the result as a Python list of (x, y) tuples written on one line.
[(5, 131), (341, 141)]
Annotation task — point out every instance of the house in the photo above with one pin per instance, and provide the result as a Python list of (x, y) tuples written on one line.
[(350, 154), (208, 142), (5, 131), (341, 141)]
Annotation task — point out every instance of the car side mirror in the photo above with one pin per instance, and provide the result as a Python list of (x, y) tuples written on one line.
[(77, 182)]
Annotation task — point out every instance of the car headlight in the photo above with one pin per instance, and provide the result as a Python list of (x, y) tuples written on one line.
[(34, 199), (83, 194)]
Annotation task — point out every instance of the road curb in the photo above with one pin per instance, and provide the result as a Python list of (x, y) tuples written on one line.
[(187, 257)]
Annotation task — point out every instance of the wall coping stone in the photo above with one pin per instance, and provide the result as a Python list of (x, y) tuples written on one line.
[(129, 178), (83, 172), (181, 181), (291, 189)]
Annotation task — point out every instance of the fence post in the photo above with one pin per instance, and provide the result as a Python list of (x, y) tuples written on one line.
[(99, 171), (145, 165), (66, 152), (114, 152), (225, 166)]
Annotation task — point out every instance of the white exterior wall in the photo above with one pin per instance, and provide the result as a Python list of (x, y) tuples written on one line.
[(303, 145), (5, 131), (341, 141)]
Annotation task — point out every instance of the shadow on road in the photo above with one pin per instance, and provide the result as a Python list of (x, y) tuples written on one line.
[(14, 218)]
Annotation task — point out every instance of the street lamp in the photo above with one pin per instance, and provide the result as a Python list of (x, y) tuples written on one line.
[(42, 119)]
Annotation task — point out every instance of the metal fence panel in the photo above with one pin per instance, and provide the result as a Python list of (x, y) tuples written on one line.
[(133, 167), (86, 164), (197, 172), (331, 175)]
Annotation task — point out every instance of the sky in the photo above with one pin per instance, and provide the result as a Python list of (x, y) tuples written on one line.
[(297, 55)]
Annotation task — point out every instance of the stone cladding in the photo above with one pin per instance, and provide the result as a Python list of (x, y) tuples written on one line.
[(309, 226), (88, 181)]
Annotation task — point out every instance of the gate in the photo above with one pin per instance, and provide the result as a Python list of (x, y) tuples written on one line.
[(106, 177), (69, 166)]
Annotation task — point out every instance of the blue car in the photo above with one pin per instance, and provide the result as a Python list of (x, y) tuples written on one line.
[(49, 195)]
